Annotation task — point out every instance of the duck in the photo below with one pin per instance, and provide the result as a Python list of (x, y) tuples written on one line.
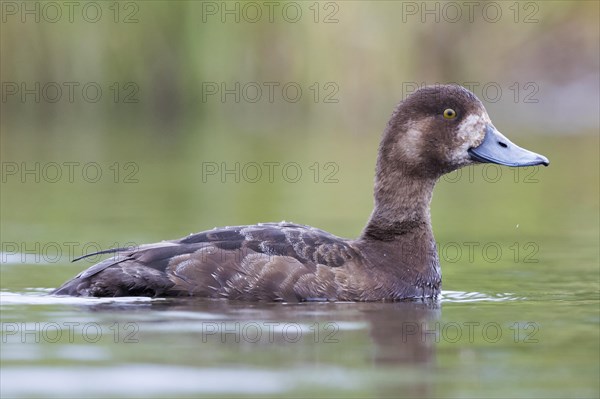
[(433, 131)]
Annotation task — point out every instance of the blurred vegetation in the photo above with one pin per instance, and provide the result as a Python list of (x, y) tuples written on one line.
[(373, 54), (365, 56)]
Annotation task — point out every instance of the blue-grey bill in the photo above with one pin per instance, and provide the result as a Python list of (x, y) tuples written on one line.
[(495, 148)]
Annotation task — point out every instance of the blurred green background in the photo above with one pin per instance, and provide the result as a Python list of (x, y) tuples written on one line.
[(158, 64), (133, 122)]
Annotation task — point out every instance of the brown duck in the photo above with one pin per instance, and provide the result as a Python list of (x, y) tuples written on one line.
[(434, 131)]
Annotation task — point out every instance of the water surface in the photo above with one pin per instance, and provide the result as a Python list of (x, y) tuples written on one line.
[(518, 316)]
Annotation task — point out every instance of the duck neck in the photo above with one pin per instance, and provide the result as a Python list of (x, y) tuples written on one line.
[(401, 207)]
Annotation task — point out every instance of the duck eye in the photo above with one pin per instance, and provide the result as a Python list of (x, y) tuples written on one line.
[(449, 113)]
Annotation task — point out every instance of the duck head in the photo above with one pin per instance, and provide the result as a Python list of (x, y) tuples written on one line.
[(441, 128)]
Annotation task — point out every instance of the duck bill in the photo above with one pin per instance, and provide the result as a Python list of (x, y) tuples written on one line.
[(495, 148)]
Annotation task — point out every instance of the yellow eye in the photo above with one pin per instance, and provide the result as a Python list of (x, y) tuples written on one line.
[(449, 113)]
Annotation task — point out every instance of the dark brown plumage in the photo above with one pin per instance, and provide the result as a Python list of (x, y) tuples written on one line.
[(394, 258)]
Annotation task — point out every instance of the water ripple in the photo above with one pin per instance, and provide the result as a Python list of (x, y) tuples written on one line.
[(461, 296), (39, 296)]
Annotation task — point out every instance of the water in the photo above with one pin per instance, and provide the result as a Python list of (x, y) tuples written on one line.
[(466, 345), (158, 157), (518, 316)]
